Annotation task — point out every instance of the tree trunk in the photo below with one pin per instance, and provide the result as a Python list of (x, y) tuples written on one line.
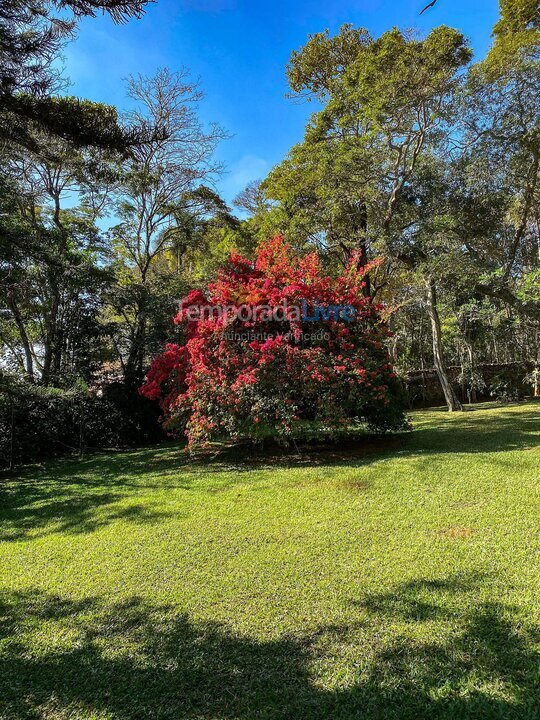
[(134, 366), (361, 226), (51, 329), (472, 392), (29, 359), (438, 355)]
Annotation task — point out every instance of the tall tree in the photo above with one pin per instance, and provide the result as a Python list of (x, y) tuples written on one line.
[(387, 104), (156, 200), (51, 278)]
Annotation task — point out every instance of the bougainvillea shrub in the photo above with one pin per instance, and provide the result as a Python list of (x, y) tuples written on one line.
[(276, 347)]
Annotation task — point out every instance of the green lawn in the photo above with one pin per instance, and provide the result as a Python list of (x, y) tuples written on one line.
[(398, 579)]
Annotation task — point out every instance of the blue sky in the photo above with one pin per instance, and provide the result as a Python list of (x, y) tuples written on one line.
[(239, 49)]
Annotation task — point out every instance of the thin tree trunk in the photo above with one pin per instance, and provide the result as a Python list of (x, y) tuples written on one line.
[(29, 360), (438, 355), (50, 339), (11, 431), (361, 231), (134, 366), (364, 260)]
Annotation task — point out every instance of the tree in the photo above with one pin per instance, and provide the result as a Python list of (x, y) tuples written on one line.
[(159, 196), (32, 34), (502, 116), (277, 348), (384, 100), (388, 104), (51, 261)]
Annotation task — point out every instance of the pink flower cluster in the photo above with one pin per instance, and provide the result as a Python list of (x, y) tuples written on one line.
[(213, 386)]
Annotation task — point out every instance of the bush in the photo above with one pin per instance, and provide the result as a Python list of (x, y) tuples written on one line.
[(276, 348), (508, 384), (504, 391), (38, 422)]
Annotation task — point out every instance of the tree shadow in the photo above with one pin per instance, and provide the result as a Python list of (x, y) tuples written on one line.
[(132, 660), (64, 498), (80, 496), (468, 433), (455, 433)]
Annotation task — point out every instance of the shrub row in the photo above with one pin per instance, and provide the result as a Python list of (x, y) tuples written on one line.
[(38, 422)]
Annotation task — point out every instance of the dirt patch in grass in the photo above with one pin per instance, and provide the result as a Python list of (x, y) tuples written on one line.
[(456, 533), (354, 484)]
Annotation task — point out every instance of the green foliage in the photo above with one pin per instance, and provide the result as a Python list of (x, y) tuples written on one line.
[(82, 122), (52, 285), (322, 61), (385, 104), (412, 158), (432, 164), (530, 288), (38, 422), (518, 15), (393, 73), (33, 33), (516, 33), (508, 385)]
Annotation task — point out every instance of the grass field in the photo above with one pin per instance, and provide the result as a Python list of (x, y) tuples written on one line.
[(396, 579)]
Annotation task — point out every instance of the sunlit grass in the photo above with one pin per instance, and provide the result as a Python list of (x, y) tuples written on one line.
[(392, 579)]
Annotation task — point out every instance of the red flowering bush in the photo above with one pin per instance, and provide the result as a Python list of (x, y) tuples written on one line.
[(276, 347)]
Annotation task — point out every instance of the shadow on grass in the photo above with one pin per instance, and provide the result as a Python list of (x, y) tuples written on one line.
[(132, 660), (498, 430), (502, 430), (82, 495), (65, 505)]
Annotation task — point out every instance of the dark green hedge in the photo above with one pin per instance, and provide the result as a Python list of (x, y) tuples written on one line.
[(37, 422)]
